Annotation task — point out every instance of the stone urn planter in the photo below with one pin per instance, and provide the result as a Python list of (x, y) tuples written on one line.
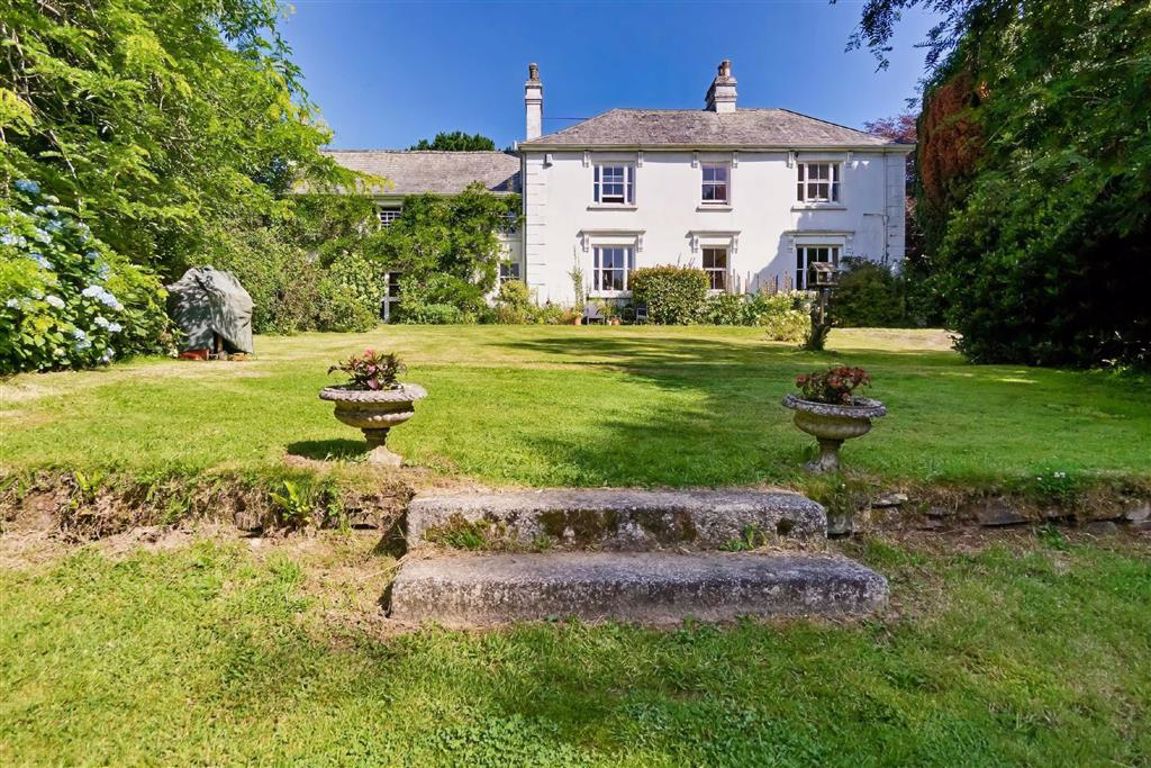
[(832, 424), (375, 413)]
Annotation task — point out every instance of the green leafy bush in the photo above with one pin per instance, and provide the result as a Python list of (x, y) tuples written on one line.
[(727, 309), (514, 303), (66, 300), (869, 295), (440, 299), (673, 295), (783, 316)]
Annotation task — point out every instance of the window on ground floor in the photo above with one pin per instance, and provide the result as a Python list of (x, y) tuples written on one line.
[(805, 256), (715, 265), (612, 266), (509, 270), (391, 294)]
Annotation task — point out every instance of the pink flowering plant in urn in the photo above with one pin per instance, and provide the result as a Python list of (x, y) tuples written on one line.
[(828, 409), (374, 400), (371, 370)]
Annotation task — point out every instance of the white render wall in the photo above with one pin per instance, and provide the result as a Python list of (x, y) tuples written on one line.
[(668, 225)]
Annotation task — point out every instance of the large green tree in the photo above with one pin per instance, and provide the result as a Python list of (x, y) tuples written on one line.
[(1035, 160), (457, 141), (159, 121)]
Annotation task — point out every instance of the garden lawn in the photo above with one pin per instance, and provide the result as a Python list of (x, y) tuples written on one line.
[(542, 406), (1035, 652)]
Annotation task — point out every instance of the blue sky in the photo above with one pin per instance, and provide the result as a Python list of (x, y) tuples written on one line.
[(387, 73)]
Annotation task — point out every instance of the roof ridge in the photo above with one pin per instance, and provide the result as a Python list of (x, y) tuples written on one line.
[(420, 151)]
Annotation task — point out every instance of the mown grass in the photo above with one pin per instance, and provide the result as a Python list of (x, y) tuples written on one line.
[(586, 406), (213, 655)]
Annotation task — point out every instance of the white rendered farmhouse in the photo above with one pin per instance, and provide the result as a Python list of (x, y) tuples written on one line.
[(749, 195), (752, 196)]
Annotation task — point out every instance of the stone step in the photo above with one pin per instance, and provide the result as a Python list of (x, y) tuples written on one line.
[(640, 587), (625, 520)]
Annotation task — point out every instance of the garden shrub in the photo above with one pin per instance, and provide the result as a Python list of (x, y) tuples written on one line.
[(440, 299), (783, 316), (514, 303), (727, 309), (68, 301), (673, 295), (869, 295)]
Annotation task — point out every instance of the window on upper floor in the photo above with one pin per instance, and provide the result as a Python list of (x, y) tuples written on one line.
[(715, 266), (614, 184), (388, 214), (613, 264), (818, 183), (805, 256), (510, 223), (716, 188)]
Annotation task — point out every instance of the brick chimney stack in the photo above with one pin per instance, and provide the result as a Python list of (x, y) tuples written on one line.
[(721, 94)]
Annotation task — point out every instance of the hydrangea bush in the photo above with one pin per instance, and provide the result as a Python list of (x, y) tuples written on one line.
[(67, 301)]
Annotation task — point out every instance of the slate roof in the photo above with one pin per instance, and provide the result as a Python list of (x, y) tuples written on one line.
[(442, 173), (703, 128)]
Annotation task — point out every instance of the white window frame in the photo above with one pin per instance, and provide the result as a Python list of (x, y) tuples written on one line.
[(391, 298), (625, 179), (704, 183), (510, 270), (713, 271), (624, 251), (387, 214), (804, 260), (509, 223), (809, 191)]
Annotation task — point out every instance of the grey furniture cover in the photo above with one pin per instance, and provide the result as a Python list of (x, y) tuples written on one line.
[(207, 302)]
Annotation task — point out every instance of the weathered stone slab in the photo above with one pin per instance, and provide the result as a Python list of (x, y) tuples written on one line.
[(628, 520), (640, 587)]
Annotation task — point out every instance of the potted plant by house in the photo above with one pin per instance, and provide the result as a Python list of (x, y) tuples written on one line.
[(374, 400), (829, 410)]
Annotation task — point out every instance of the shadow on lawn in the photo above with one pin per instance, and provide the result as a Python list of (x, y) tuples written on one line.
[(723, 424), (329, 450)]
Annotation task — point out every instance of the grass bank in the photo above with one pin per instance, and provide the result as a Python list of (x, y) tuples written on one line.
[(541, 406), (1028, 652)]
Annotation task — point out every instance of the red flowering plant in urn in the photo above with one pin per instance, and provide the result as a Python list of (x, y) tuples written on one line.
[(374, 400), (829, 410), (371, 370), (834, 386)]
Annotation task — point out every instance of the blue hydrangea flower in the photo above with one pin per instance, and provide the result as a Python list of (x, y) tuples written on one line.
[(101, 321), (82, 345), (91, 291), (55, 301), (115, 327), (103, 271), (91, 255), (40, 259), (27, 185), (11, 240), (43, 236), (79, 334)]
